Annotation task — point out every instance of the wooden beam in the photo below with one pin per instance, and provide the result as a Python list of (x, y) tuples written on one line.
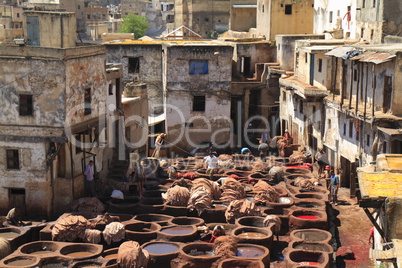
[(374, 222)]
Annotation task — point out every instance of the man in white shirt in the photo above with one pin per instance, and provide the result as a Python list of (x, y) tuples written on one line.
[(211, 163)]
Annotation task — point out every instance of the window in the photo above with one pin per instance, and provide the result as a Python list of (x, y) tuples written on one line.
[(110, 89), (199, 104), (13, 160), (319, 65), (283, 96), (372, 35), (134, 65), (368, 140), (364, 3), (350, 129), (361, 32), (288, 9), (330, 16), (89, 16), (87, 101), (344, 129), (78, 7), (206, 19), (301, 106), (263, 7), (355, 75), (373, 3), (78, 145), (305, 57), (329, 123), (26, 105), (198, 67), (384, 147), (18, 15), (314, 111)]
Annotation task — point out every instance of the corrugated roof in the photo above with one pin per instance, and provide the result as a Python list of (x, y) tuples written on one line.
[(339, 51), (374, 57)]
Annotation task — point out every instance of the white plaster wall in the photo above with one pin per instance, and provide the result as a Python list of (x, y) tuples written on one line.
[(322, 9)]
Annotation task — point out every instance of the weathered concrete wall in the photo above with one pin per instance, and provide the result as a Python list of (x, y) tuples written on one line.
[(136, 116), (285, 45), (32, 176), (57, 29), (203, 16), (150, 69), (82, 73), (397, 80), (259, 52), (272, 20), (37, 78), (242, 19), (180, 87)]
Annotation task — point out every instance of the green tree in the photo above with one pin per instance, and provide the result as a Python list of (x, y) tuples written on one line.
[(134, 24)]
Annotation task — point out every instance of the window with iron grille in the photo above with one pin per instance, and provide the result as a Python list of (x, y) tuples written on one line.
[(26, 105), (199, 104), (288, 9), (13, 159)]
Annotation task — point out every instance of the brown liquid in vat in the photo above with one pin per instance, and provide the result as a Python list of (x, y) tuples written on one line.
[(21, 263), (79, 254), (251, 235)]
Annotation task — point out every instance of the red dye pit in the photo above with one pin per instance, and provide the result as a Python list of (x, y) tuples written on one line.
[(308, 217), (309, 263)]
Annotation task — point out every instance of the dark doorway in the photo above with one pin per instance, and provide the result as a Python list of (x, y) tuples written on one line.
[(246, 66), (345, 176), (387, 95), (16, 198)]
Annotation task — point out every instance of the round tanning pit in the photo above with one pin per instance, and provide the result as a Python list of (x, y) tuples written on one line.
[(81, 251), (284, 202), (199, 254), (161, 253), (160, 219), (110, 253), (254, 252), (305, 219), (310, 195), (312, 246), (234, 262), (122, 205), (299, 257), (40, 248), (20, 261), (298, 171), (178, 233), (54, 262), (88, 264), (151, 205), (141, 231), (281, 191), (186, 221), (311, 235), (253, 235), (310, 204), (257, 176), (250, 221)]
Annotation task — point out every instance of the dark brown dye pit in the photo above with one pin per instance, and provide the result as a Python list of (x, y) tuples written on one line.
[(9, 235), (39, 252), (21, 263), (178, 230), (54, 265), (161, 248), (307, 205), (251, 235), (79, 254), (249, 252)]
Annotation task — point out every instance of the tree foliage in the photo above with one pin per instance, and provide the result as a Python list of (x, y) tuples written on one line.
[(134, 24)]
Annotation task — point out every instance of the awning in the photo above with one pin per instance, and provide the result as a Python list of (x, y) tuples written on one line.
[(374, 57), (154, 120), (390, 131), (339, 52)]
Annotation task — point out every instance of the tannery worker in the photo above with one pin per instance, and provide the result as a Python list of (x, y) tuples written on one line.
[(13, 217), (211, 163)]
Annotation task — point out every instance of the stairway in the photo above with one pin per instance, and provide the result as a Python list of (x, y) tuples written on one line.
[(118, 168)]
